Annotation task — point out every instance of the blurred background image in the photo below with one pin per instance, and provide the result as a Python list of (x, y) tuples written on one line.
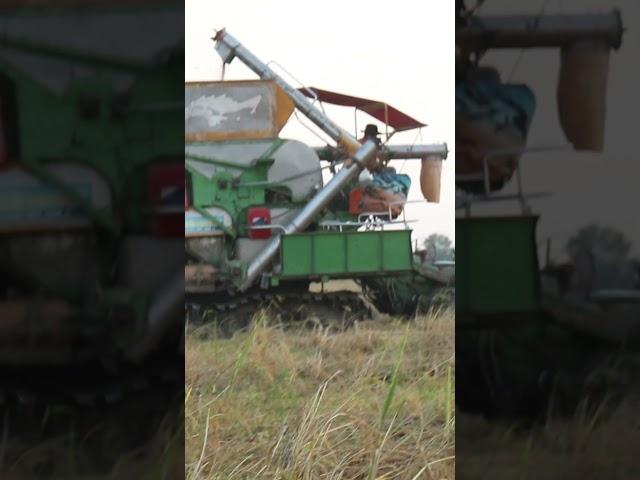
[(547, 284), (91, 227)]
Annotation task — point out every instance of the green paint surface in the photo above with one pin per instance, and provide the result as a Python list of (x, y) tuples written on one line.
[(339, 254), (497, 265)]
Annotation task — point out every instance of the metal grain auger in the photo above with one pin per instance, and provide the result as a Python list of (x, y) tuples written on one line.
[(259, 218)]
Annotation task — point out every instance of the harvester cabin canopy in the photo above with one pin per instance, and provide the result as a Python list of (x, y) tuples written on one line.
[(431, 169), (381, 111)]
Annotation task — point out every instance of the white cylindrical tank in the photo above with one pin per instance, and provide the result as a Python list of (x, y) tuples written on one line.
[(296, 166)]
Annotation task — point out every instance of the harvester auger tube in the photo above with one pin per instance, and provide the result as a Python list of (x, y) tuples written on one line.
[(534, 31), (403, 152), (393, 152), (228, 48), (311, 209)]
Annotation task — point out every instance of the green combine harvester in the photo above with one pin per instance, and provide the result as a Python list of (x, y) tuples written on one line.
[(263, 223), (91, 183), (519, 343)]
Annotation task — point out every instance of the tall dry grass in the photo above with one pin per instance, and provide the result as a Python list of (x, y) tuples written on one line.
[(100, 451), (591, 445), (373, 402)]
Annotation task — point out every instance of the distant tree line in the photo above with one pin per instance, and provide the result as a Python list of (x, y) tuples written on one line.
[(439, 247), (599, 257)]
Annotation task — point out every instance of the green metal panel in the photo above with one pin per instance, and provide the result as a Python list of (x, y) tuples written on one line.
[(339, 254), (331, 254), (227, 191), (296, 254), (364, 252), (497, 265), (125, 132)]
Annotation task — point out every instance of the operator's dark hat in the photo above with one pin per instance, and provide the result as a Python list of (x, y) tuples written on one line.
[(371, 129)]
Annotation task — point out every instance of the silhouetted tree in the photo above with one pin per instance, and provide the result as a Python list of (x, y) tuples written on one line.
[(600, 258), (438, 247)]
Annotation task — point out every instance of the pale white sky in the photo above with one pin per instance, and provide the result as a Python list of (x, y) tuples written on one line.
[(400, 52)]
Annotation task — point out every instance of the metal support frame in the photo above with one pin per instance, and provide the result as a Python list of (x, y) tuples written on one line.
[(272, 226), (375, 223), (520, 196)]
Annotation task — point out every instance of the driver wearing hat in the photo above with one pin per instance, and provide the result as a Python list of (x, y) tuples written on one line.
[(371, 133)]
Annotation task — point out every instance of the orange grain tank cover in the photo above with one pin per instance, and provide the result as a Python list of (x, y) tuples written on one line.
[(430, 174), (582, 93)]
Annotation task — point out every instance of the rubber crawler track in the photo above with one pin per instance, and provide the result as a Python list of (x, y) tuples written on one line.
[(233, 313)]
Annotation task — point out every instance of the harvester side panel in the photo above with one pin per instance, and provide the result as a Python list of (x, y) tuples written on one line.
[(505, 247), (345, 254)]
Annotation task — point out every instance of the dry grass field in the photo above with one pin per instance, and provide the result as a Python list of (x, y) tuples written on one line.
[(137, 444), (373, 402), (594, 446)]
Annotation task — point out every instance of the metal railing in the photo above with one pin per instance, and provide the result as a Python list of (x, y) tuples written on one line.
[(485, 177), (369, 220), (368, 224), (372, 220), (271, 226)]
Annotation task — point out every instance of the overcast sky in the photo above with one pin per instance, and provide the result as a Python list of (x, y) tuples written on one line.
[(400, 52)]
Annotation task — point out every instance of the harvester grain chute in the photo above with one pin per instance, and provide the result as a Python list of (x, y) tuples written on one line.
[(261, 223)]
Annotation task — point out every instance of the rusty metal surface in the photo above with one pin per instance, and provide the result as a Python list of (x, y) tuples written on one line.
[(200, 276), (216, 111), (20, 318)]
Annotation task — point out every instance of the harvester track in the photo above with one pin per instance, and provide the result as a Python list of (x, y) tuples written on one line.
[(88, 386), (231, 313)]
